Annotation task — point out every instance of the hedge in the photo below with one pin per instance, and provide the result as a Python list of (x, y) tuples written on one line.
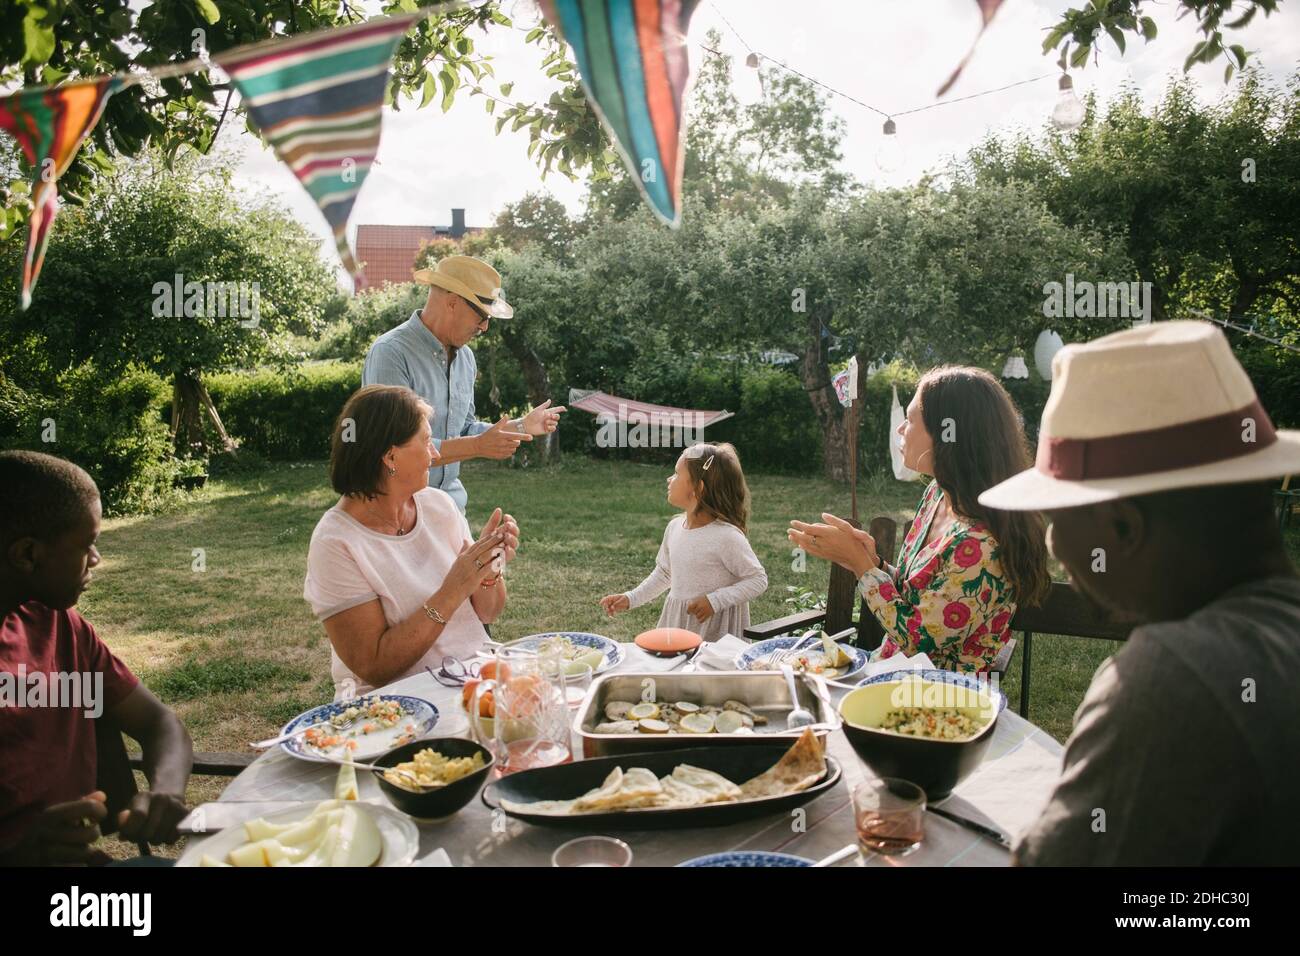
[(284, 416), (114, 429)]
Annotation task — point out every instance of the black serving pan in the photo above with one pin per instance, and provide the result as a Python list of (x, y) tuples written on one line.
[(570, 780)]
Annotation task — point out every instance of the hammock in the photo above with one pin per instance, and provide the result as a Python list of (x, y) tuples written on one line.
[(659, 419)]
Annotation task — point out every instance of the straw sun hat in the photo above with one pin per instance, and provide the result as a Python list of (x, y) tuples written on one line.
[(471, 279), (1154, 408)]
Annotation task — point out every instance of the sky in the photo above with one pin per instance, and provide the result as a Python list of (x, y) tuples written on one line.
[(893, 54)]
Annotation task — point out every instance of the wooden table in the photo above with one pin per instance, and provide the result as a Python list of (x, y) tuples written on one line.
[(1006, 792)]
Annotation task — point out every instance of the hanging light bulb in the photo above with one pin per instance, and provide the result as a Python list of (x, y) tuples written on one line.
[(889, 155), (1015, 367), (1069, 112), (749, 88)]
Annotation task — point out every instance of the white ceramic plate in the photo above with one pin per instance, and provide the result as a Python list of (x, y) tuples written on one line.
[(612, 649), (418, 714)]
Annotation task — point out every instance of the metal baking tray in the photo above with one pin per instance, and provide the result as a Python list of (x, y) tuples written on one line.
[(764, 692)]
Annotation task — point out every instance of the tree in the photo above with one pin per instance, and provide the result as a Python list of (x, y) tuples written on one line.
[(922, 274), (1204, 197), (1083, 26), (742, 156), (165, 269), (538, 219), (48, 41)]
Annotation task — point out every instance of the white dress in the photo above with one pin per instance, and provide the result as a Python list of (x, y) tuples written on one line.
[(713, 561)]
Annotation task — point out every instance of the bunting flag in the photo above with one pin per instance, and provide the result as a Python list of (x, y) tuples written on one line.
[(50, 124), (987, 9), (632, 60), (318, 100)]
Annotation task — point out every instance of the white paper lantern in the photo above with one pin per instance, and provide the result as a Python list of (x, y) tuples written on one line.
[(1045, 349), (1015, 368)]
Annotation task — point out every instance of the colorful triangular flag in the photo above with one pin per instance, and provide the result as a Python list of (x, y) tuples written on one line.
[(50, 124), (318, 100), (632, 59), (987, 10)]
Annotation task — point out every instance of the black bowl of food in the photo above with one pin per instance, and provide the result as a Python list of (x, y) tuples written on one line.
[(451, 772), (931, 727)]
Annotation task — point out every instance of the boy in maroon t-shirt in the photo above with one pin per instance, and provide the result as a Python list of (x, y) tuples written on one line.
[(57, 677)]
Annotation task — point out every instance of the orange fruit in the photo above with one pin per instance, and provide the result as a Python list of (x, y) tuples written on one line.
[(468, 692), (489, 671)]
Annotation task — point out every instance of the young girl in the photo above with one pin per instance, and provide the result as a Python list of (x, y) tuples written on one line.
[(705, 557)]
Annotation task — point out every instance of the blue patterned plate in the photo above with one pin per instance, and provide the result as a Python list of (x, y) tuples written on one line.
[(612, 649), (943, 677), (752, 655), (418, 718), (748, 859)]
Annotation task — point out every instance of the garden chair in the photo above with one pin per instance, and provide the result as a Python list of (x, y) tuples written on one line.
[(1064, 612), (1285, 500)]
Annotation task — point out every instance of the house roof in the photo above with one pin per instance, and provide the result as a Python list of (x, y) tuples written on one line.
[(387, 253)]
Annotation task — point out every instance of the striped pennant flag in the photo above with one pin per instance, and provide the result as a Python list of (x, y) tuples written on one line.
[(632, 59), (318, 100), (987, 9), (50, 124)]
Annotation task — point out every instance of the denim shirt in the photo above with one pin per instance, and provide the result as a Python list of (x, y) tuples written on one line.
[(411, 355)]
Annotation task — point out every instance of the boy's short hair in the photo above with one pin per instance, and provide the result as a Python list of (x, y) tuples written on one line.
[(41, 496)]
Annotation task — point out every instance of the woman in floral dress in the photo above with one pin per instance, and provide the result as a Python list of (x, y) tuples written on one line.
[(963, 569)]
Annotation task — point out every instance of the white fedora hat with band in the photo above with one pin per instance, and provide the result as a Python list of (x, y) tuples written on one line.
[(1149, 409), (473, 280)]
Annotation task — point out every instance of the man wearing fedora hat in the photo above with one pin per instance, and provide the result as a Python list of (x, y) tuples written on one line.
[(429, 353), (1155, 465)]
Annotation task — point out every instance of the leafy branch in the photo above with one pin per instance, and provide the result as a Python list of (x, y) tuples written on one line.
[(1079, 30)]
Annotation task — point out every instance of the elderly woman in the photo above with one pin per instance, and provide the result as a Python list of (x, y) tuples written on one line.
[(393, 572), (963, 568)]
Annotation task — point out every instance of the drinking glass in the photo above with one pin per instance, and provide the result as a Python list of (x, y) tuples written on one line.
[(575, 679), (593, 851), (890, 816)]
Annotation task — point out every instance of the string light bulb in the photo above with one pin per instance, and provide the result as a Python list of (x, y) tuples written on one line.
[(889, 155), (1069, 111), (750, 89)]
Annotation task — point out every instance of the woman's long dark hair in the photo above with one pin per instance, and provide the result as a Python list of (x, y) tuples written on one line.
[(979, 441)]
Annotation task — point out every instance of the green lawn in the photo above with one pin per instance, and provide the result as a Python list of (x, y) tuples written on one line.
[(236, 651)]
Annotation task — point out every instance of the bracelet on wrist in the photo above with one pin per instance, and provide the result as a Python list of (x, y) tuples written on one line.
[(433, 615)]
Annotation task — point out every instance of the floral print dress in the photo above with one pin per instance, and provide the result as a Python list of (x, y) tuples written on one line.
[(947, 599)]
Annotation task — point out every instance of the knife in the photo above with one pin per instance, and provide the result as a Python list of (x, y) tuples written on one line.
[(995, 835)]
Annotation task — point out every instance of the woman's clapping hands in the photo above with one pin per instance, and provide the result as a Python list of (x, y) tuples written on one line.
[(834, 539)]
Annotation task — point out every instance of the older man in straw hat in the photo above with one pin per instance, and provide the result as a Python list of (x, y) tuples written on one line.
[(429, 353), (1155, 467)]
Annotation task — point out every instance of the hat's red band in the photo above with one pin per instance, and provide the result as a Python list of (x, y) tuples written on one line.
[(1202, 442)]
